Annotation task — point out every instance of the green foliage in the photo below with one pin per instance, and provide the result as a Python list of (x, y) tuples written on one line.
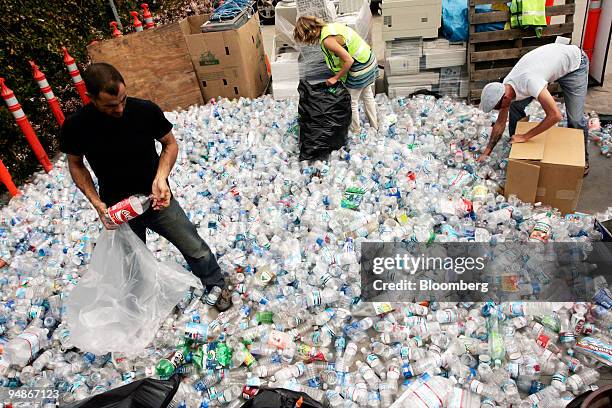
[(36, 30)]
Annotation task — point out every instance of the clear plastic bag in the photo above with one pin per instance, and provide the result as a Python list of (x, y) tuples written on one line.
[(119, 303)]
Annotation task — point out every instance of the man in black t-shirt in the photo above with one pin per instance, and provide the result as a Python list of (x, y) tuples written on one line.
[(117, 134)]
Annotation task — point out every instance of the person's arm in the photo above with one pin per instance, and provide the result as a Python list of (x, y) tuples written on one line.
[(160, 189), (553, 116), (496, 133), (82, 179), (347, 61)]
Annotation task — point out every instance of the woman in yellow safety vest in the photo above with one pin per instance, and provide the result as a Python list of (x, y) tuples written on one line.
[(349, 57)]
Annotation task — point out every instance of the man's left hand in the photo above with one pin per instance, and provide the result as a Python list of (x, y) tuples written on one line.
[(161, 194), (331, 81), (519, 138)]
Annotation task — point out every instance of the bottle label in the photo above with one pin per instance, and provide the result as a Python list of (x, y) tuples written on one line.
[(278, 339), (382, 307), (125, 210), (448, 316), (543, 340), (541, 231), (595, 348), (315, 298), (516, 309), (476, 386), (559, 377), (33, 342), (429, 396), (372, 359), (479, 193), (454, 400), (196, 331)]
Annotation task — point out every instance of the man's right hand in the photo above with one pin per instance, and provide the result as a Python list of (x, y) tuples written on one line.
[(484, 156), (104, 218)]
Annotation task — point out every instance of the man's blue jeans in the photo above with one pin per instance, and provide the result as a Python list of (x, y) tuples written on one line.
[(574, 87), (172, 224)]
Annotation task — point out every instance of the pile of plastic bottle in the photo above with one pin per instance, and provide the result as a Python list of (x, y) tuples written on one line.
[(288, 234)]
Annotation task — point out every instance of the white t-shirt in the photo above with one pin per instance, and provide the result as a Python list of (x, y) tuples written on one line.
[(542, 66)]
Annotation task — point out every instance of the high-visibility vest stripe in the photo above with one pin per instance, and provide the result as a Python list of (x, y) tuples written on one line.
[(534, 13)]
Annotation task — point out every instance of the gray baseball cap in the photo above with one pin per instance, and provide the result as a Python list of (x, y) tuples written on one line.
[(491, 95)]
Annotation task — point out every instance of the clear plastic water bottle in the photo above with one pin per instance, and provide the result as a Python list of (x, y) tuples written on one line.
[(21, 350), (585, 377)]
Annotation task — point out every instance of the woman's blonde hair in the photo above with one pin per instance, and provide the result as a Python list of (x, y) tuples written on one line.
[(308, 29)]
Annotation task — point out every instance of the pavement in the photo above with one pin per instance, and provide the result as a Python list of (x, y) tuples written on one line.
[(597, 188)]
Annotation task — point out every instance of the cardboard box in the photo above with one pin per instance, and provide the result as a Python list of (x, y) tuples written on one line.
[(548, 168), (155, 65), (228, 63)]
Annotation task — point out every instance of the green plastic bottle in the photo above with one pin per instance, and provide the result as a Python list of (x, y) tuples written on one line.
[(264, 317), (224, 354), (199, 357), (166, 366), (496, 341)]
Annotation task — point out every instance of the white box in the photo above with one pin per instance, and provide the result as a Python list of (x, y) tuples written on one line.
[(438, 44), (399, 65), (450, 57), (422, 78), (407, 47), (411, 18)]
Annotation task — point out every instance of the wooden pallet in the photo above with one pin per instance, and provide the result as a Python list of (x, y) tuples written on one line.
[(492, 54)]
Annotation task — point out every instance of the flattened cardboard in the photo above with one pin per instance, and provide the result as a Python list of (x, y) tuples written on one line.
[(548, 168), (230, 63), (155, 65)]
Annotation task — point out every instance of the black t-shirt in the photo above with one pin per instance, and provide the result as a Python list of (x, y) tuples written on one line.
[(121, 152)]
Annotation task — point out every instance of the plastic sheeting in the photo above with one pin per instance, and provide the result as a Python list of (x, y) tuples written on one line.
[(118, 304)]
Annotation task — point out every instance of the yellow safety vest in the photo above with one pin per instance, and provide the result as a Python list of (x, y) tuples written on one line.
[(356, 46), (528, 13)]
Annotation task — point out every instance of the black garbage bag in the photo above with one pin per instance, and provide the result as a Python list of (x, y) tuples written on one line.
[(145, 393), (324, 118), (280, 398)]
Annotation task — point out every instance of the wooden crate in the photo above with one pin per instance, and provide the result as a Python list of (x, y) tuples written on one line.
[(492, 54), (155, 65)]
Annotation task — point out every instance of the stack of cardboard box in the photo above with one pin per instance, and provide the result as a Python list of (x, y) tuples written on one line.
[(177, 65)]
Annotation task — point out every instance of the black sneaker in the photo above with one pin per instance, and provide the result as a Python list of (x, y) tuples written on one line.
[(224, 301)]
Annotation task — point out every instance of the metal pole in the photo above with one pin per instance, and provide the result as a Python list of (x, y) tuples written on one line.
[(114, 9)]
